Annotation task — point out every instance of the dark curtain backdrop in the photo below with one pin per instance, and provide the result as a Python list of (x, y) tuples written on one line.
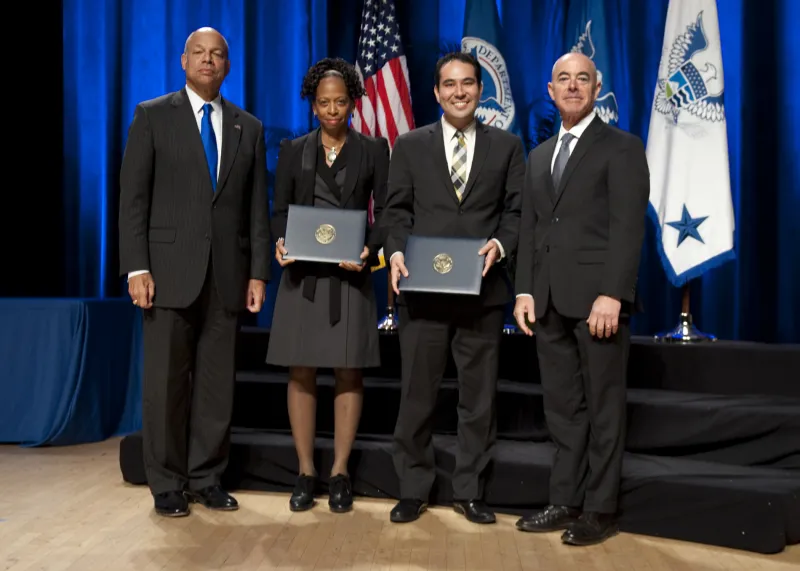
[(118, 53)]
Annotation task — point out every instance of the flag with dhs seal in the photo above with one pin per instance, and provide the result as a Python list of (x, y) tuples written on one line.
[(482, 38), (587, 30), (687, 146)]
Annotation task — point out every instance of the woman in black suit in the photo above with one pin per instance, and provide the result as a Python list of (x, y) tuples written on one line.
[(326, 316)]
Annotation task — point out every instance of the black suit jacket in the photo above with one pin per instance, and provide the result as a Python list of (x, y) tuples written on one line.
[(421, 200), (367, 171), (584, 239), (171, 220)]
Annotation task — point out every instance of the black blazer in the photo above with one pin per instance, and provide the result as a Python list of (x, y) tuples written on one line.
[(171, 221), (585, 238), (421, 200), (367, 172)]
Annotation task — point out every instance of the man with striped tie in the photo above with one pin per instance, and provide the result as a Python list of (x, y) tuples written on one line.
[(455, 177)]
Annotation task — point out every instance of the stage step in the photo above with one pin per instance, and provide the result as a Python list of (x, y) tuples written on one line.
[(737, 430), (719, 368), (754, 509)]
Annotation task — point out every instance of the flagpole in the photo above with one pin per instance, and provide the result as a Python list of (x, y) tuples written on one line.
[(685, 331), (389, 321)]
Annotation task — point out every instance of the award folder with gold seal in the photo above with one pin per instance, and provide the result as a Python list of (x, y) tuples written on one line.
[(328, 235), (443, 265)]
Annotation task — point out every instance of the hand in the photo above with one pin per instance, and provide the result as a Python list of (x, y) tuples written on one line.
[(280, 251), (142, 290), (604, 319), (356, 267), (256, 294), (492, 252), (523, 313), (398, 266)]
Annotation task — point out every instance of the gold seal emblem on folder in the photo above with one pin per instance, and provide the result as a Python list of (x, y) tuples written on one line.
[(325, 234), (442, 263)]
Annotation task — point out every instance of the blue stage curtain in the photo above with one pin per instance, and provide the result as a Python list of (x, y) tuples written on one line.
[(71, 370), (118, 53)]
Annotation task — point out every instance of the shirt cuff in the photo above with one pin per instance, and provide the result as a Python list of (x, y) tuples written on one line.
[(137, 273), (502, 251), (393, 255), (524, 294)]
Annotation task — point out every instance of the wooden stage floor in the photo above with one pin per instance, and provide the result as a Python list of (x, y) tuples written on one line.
[(67, 509)]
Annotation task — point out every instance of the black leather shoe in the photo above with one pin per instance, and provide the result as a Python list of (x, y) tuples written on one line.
[(592, 528), (407, 511), (341, 494), (171, 504), (303, 494), (475, 511), (551, 518), (214, 498)]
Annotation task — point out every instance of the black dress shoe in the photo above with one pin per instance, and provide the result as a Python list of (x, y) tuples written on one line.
[(592, 528), (407, 511), (303, 494), (475, 511), (341, 494), (551, 518), (214, 498), (171, 504)]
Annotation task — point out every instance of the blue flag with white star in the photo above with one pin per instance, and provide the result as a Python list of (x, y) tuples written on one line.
[(687, 146), (483, 39), (587, 30)]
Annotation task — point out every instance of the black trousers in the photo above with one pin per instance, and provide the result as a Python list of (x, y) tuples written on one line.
[(583, 381), (189, 362), (426, 338)]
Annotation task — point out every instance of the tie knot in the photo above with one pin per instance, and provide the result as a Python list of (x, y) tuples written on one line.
[(207, 108), (459, 135), (567, 139)]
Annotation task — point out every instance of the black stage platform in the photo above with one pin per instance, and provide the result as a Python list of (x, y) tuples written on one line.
[(712, 451)]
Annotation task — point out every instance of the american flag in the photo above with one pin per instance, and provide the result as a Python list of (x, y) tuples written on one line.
[(385, 110)]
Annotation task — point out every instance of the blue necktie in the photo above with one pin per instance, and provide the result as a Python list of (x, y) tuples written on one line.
[(209, 143)]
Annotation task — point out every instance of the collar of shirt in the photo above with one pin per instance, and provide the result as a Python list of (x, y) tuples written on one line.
[(197, 103), (450, 131), (578, 129)]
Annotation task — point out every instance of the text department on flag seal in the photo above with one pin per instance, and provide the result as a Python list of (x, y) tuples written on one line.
[(325, 234), (496, 107)]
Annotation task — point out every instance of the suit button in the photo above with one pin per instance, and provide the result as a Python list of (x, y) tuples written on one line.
[(554, 220), (207, 238), (547, 249)]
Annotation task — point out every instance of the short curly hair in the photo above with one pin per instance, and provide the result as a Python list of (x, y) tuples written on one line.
[(332, 67)]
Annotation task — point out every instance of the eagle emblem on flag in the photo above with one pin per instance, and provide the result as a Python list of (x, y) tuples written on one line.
[(686, 86)]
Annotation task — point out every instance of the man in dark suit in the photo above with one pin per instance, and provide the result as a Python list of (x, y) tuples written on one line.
[(460, 178), (583, 215), (195, 244)]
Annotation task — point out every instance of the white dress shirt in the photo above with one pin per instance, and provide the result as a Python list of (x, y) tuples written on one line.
[(197, 103), (577, 131)]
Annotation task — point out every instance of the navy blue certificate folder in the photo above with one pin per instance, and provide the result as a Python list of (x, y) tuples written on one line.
[(328, 235), (443, 265)]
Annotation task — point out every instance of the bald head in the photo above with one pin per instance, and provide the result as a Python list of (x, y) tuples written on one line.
[(205, 61), (575, 59), (205, 32), (574, 87)]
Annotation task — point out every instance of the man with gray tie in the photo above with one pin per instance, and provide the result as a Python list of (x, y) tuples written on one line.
[(194, 242), (583, 211)]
